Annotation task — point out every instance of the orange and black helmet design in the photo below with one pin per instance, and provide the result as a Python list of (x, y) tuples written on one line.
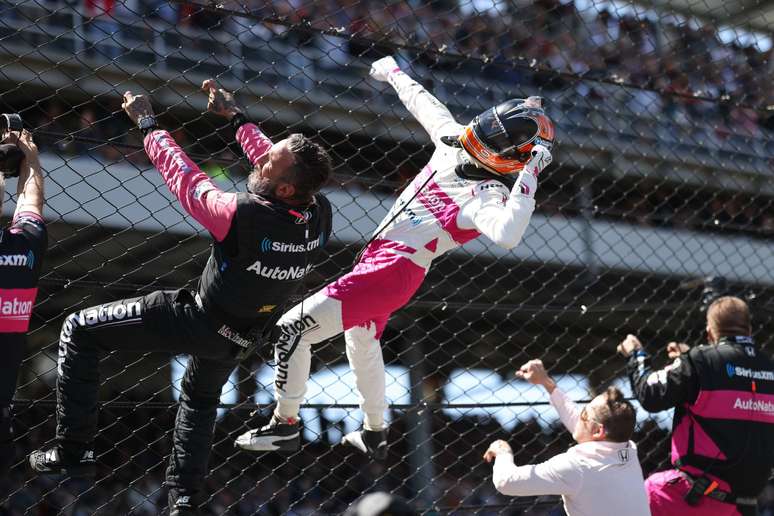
[(501, 138)]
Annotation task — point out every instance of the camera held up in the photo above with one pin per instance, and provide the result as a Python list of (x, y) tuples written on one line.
[(10, 155)]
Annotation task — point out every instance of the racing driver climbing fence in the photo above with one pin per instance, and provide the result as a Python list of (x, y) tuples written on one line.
[(481, 179), (242, 290)]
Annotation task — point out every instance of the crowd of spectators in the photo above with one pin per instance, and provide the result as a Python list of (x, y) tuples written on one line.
[(643, 202), (672, 62), (663, 57), (682, 207), (640, 201)]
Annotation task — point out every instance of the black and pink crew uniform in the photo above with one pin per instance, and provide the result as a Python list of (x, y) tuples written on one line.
[(22, 247), (261, 252), (723, 426)]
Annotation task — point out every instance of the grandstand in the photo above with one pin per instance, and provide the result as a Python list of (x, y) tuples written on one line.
[(662, 175)]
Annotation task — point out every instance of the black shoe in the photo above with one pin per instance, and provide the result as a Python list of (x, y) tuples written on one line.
[(276, 436), (370, 442), (7, 449), (58, 461), (182, 505)]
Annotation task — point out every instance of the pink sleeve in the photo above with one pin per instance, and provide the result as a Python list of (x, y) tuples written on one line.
[(254, 143), (213, 208)]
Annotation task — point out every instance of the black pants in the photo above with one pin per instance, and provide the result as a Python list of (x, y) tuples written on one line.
[(12, 345), (168, 321)]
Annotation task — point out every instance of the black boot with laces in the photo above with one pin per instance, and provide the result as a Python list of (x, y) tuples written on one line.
[(57, 460)]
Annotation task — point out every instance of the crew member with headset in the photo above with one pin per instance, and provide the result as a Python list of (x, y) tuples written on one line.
[(22, 247), (723, 430), (242, 291)]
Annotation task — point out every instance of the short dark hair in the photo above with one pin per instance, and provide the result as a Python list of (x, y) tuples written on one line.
[(311, 168), (617, 416), (729, 316)]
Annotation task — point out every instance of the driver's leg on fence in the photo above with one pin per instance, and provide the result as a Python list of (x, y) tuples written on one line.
[(13, 353), (160, 321), (316, 319), (364, 353), (84, 337), (192, 438)]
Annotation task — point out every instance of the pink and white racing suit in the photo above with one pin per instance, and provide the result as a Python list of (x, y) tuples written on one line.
[(437, 212)]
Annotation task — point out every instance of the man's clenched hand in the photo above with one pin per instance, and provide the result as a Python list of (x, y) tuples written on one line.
[(136, 106), (541, 158), (381, 69), (629, 345), (220, 102), (675, 349), (534, 372), (496, 448)]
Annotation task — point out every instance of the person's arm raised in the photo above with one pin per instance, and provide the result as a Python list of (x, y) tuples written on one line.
[(205, 202), (428, 110), (29, 190), (254, 143), (503, 216)]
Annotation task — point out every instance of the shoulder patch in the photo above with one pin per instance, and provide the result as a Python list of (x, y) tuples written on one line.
[(492, 189), (485, 186)]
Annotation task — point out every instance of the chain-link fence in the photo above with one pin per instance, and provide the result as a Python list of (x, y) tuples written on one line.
[(661, 175)]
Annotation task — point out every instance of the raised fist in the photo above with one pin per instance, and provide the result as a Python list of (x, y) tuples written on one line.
[(629, 345), (220, 102), (496, 448), (541, 158), (675, 349), (533, 372), (136, 106), (382, 68)]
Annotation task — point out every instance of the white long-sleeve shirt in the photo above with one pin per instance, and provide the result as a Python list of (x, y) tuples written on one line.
[(595, 478), (449, 210)]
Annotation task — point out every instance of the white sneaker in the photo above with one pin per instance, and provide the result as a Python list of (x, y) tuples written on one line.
[(276, 436)]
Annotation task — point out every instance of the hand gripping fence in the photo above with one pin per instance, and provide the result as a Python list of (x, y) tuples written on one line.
[(661, 177)]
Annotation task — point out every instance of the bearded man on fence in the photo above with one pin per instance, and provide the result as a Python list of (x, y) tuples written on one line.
[(242, 291)]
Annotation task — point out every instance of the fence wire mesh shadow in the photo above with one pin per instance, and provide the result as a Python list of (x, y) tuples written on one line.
[(660, 176)]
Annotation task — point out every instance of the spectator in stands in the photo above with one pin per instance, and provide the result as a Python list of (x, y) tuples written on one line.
[(723, 430), (88, 129), (22, 247), (600, 475), (687, 61), (103, 29)]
